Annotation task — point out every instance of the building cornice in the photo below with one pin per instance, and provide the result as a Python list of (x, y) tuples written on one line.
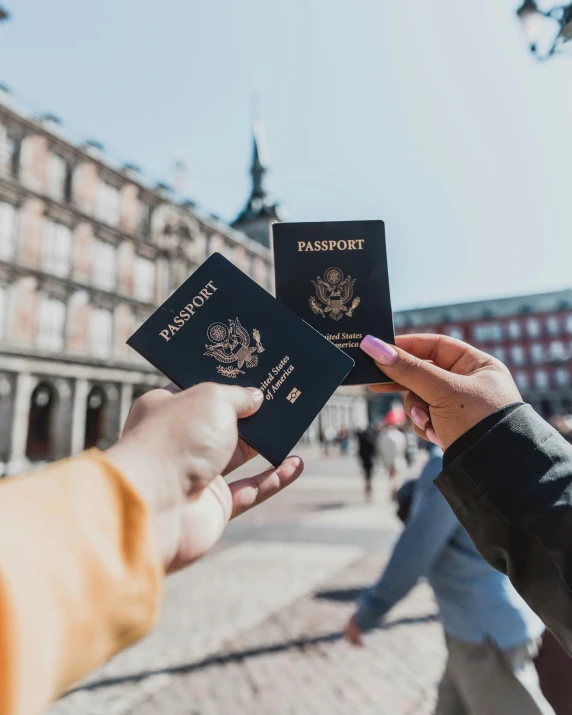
[(215, 225), (10, 268)]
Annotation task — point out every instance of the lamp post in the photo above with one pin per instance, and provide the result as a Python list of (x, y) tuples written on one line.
[(532, 19)]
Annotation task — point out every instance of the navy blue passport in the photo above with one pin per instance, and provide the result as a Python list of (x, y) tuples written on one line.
[(333, 274), (220, 326)]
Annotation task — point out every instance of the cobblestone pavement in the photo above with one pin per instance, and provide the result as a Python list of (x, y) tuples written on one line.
[(255, 628)]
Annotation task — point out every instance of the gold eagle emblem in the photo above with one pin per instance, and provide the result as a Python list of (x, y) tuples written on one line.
[(231, 344), (334, 293)]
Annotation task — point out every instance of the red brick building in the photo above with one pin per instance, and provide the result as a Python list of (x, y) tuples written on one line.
[(531, 334)]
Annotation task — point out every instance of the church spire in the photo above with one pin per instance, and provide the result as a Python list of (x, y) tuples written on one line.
[(260, 210), (259, 164)]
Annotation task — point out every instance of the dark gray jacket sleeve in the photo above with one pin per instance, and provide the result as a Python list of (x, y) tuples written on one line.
[(512, 490)]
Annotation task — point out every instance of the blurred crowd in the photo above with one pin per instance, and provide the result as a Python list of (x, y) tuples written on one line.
[(389, 441)]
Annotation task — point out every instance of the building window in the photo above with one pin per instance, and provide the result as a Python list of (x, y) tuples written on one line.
[(562, 376), (541, 379), (537, 353), (557, 351), (7, 230), (9, 153), (144, 221), (104, 265), (495, 331), (517, 355), (521, 379), (100, 332), (3, 303), (568, 324), (455, 332), (487, 332), (108, 203), (56, 248), (144, 279), (59, 178), (51, 321), (533, 328), (553, 325), (499, 353), (514, 331)]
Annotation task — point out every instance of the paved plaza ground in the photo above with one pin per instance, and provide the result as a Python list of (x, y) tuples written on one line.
[(256, 627)]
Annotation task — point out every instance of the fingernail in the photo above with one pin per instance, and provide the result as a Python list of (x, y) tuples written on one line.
[(420, 417), (256, 393), (432, 437), (378, 350)]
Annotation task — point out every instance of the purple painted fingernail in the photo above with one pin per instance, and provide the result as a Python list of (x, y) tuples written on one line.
[(432, 437), (378, 350), (420, 417)]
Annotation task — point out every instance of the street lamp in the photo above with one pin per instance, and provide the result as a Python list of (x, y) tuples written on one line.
[(532, 20)]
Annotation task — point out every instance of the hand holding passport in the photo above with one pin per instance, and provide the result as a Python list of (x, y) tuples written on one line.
[(220, 326)]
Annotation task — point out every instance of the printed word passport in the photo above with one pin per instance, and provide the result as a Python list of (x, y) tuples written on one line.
[(333, 274), (220, 326)]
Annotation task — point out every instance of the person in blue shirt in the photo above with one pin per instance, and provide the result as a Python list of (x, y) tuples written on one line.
[(492, 636)]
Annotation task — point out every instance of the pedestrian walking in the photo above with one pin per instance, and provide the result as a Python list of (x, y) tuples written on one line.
[(330, 436), (367, 449), (492, 636), (344, 440), (392, 447)]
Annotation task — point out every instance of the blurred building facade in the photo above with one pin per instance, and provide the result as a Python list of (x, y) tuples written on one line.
[(531, 334), (87, 251)]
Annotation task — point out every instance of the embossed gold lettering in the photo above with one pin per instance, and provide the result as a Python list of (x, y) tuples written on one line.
[(188, 310), (339, 245)]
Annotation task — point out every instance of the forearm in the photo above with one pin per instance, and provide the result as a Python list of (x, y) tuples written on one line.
[(80, 577)]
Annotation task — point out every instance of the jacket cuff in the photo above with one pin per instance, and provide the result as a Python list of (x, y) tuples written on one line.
[(371, 610), (495, 457)]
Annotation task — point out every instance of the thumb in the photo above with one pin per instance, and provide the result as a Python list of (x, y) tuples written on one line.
[(245, 400), (422, 377)]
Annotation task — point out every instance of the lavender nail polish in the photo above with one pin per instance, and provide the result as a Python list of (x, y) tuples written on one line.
[(380, 351), (419, 416)]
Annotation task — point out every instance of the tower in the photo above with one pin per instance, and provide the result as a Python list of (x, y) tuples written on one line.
[(261, 211)]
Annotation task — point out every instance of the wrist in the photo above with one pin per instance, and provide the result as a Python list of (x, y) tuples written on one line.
[(157, 482)]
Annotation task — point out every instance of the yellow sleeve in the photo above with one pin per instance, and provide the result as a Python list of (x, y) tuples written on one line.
[(80, 577)]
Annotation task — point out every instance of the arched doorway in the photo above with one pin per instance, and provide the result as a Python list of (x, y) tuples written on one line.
[(39, 444), (94, 418)]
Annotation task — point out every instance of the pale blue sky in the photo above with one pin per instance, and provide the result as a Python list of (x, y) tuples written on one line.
[(431, 116)]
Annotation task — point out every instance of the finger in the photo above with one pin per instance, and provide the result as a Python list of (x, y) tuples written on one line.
[(387, 387), (417, 374), (419, 413), (242, 454), (448, 353), (245, 400), (248, 493), (417, 410)]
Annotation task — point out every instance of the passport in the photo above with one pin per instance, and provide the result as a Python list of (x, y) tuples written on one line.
[(220, 326), (333, 274)]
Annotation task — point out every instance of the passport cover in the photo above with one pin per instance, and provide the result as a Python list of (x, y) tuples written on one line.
[(333, 274), (221, 326)]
